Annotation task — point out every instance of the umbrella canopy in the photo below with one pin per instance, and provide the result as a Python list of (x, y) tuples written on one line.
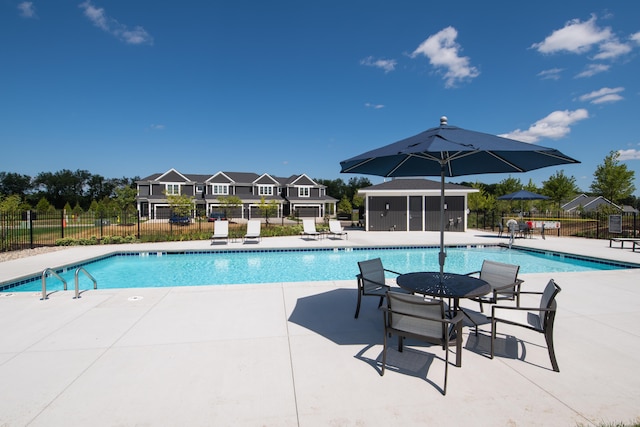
[(449, 151), (523, 195)]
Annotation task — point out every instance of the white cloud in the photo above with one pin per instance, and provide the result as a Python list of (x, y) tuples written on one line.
[(27, 10), (387, 65), (97, 15), (157, 127), (635, 37), (443, 52), (603, 95), (612, 49), (555, 126), (580, 37), (574, 37), (593, 69), (551, 74), (374, 106), (630, 154)]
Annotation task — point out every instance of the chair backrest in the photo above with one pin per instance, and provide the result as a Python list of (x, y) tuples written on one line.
[(253, 227), (548, 301), (309, 226), (498, 274), (221, 227), (372, 274), (403, 309), (334, 226)]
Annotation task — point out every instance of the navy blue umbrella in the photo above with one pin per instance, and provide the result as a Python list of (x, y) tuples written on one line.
[(451, 151), (523, 195)]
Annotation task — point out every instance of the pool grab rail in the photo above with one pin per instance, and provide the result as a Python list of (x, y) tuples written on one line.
[(64, 282), (44, 281), (81, 269)]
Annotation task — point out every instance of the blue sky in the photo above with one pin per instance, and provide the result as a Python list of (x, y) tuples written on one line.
[(130, 88)]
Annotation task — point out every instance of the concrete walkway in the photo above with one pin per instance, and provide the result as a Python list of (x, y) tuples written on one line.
[(291, 354)]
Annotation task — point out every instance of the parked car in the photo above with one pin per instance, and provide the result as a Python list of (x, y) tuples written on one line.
[(216, 216), (179, 220)]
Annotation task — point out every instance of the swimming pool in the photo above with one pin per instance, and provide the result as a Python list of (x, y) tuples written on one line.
[(164, 269)]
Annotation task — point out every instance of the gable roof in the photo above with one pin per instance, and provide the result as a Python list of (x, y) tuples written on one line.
[(418, 185), (588, 203)]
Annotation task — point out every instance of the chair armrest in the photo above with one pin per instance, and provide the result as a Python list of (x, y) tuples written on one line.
[(472, 273), (504, 307), (394, 272)]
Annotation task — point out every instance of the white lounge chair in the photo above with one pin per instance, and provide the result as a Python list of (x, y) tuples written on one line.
[(309, 228), (220, 231), (335, 229), (253, 230)]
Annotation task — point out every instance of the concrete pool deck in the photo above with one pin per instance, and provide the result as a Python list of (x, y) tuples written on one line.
[(291, 354)]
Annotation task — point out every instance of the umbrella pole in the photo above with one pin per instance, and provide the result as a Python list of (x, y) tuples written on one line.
[(442, 255)]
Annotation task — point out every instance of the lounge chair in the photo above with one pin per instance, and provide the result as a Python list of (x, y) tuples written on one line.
[(309, 228), (253, 230), (220, 231), (504, 282), (372, 281), (539, 319), (335, 229), (425, 320)]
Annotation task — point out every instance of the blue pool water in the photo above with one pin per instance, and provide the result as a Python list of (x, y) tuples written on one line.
[(134, 270)]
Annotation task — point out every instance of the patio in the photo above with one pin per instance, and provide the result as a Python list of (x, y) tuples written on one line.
[(291, 354)]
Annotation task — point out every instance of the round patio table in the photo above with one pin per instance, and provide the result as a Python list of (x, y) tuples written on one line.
[(453, 285)]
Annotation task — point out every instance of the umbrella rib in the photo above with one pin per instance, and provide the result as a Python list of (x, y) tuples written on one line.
[(517, 168)]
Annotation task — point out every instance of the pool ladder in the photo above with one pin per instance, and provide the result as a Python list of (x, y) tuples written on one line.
[(64, 282)]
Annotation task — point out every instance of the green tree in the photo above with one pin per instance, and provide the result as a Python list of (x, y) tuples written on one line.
[(181, 205), (482, 200), (344, 205), (43, 205), (613, 180), (229, 204), (14, 183), (126, 198), (559, 187), (508, 186), (267, 209), (10, 204)]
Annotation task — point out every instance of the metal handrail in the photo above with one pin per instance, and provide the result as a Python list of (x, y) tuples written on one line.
[(44, 281), (78, 270)]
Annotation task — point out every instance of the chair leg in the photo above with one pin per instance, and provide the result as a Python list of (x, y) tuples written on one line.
[(380, 303), (548, 335), (446, 370), (358, 306), (400, 343), (493, 333), (384, 352), (459, 345)]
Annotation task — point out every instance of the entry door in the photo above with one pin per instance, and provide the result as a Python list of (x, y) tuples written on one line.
[(415, 213)]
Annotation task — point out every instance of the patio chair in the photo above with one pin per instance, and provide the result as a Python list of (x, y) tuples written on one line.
[(372, 281), (414, 317), (309, 228), (220, 231), (504, 282), (539, 319), (335, 229), (253, 230)]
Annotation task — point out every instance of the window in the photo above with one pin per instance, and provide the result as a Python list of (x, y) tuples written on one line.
[(220, 189), (265, 190), (173, 189), (304, 191), (199, 188)]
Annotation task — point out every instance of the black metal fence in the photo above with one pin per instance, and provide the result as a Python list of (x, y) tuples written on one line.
[(592, 225), (30, 229)]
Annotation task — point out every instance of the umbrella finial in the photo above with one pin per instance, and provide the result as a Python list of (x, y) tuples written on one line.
[(443, 121)]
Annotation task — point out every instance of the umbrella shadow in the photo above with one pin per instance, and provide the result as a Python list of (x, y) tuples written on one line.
[(330, 314)]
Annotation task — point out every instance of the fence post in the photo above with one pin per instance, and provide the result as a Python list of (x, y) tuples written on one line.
[(138, 212), (30, 214), (597, 225), (62, 224)]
